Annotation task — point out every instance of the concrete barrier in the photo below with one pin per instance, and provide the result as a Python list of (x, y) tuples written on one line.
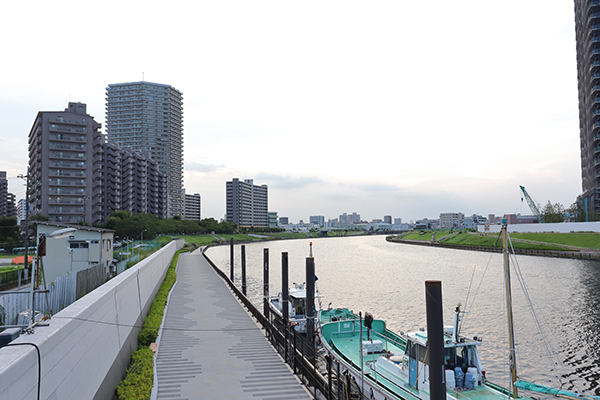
[(86, 347)]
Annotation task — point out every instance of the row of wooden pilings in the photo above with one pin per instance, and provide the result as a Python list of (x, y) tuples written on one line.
[(300, 352)]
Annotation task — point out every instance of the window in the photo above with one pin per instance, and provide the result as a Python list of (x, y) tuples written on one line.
[(78, 245)]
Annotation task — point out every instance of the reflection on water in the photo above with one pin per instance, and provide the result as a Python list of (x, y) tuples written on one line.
[(388, 280)]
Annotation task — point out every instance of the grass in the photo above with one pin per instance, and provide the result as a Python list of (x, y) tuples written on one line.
[(468, 239), (10, 268), (440, 235), (139, 377), (585, 240), (15, 255)]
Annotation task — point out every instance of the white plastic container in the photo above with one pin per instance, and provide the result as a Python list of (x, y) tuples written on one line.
[(475, 374), (450, 382)]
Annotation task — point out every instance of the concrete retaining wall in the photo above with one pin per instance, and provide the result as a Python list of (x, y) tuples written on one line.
[(85, 348)]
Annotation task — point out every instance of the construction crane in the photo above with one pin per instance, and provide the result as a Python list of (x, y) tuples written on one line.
[(534, 208)]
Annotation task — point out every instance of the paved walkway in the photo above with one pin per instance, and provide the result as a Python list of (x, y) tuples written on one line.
[(210, 348)]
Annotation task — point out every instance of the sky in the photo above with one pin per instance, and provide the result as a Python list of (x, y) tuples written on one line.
[(398, 108)]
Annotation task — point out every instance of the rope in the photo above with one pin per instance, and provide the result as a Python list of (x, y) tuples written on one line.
[(478, 288), (530, 302)]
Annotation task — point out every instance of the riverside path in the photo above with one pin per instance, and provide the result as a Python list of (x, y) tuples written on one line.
[(210, 347)]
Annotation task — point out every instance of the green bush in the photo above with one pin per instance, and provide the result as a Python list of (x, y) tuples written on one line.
[(139, 377)]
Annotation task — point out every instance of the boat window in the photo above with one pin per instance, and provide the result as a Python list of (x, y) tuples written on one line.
[(450, 357), (462, 356), (411, 350), (423, 355)]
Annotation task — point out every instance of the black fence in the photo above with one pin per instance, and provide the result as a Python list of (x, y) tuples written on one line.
[(316, 370)]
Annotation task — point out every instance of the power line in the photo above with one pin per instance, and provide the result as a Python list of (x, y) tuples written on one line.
[(152, 327)]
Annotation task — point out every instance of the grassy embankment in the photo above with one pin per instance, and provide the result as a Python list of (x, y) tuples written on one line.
[(203, 240), (587, 240), (525, 241)]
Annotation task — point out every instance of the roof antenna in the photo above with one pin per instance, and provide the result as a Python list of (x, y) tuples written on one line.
[(142, 77)]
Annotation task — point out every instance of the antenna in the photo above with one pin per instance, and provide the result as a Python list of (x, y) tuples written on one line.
[(142, 76)]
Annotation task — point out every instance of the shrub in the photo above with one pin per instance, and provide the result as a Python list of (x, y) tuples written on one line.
[(139, 377)]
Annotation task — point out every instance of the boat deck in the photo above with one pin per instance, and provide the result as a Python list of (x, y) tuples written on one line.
[(211, 348), (346, 345)]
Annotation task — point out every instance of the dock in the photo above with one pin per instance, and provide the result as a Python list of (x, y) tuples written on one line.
[(210, 347)]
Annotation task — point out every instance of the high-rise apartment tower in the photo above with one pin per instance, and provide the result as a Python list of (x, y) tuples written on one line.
[(247, 203), (148, 118), (587, 31)]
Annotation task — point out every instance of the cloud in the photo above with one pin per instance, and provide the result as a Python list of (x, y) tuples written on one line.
[(286, 182), (198, 167)]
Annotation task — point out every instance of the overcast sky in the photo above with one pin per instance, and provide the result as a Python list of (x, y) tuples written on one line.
[(395, 108)]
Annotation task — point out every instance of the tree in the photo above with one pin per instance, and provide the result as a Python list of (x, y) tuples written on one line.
[(9, 228), (39, 217), (553, 212), (577, 212)]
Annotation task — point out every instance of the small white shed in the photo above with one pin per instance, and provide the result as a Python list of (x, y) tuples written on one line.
[(83, 248)]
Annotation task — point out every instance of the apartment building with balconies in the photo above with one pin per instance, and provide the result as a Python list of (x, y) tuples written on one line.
[(587, 35), (7, 199), (65, 165), (247, 203), (193, 207), (148, 117)]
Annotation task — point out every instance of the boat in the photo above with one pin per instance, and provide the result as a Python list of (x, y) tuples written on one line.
[(385, 365), (296, 306), (388, 365)]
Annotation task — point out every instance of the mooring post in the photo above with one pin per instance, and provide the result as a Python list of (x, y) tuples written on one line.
[(435, 339), (310, 299), (339, 386), (266, 281), (284, 289), (328, 359), (231, 260), (244, 269)]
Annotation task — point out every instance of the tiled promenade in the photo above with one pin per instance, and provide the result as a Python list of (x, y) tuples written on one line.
[(210, 348)]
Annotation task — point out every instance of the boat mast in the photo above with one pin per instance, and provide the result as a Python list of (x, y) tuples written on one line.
[(511, 332)]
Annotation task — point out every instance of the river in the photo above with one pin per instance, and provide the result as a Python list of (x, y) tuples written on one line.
[(368, 274)]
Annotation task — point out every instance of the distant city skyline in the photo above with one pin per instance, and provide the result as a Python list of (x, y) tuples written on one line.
[(364, 110)]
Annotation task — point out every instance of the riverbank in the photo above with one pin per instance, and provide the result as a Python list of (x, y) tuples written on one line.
[(557, 246)]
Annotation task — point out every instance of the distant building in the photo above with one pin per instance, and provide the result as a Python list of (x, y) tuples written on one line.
[(21, 210), (148, 117), (65, 165), (387, 219), (273, 219), (349, 219), (284, 220), (193, 207), (7, 200), (317, 220), (448, 220), (423, 224), (247, 203), (397, 221), (520, 219)]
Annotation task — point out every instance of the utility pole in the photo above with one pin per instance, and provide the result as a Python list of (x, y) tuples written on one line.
[(26, 177)]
